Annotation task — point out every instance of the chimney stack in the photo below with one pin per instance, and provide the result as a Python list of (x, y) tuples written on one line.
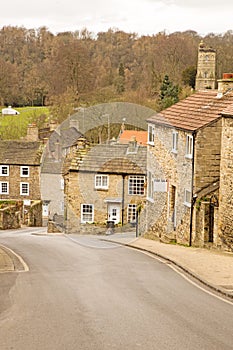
[(32, 133), (226, 83)]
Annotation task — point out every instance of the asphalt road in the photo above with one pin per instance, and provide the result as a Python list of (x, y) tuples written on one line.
[(82, 293)]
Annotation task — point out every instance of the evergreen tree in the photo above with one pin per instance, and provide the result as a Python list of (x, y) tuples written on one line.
[(169, 93)]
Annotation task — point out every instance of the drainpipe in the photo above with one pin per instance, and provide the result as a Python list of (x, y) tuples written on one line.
[(123, 200), (193, 197)]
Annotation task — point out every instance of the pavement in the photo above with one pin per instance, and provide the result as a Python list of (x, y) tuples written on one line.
[(10, 261), (211, 267)]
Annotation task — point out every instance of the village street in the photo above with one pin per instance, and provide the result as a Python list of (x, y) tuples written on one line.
[(84, 293)]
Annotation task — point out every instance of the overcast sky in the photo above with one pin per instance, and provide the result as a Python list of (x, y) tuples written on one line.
[(145, 17)]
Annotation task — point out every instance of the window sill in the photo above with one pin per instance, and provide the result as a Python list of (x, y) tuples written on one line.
[(187, 204), (188, 156)]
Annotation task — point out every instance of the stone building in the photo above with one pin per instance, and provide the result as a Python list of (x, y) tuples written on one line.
[(206, 66), (189, 187), (104, 183), (20, 178)]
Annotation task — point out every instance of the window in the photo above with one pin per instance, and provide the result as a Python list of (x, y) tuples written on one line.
[(187, 198), (150, 185), (101, 182), (151, 134), (189, 146), (4, 170), (174, 141), (24, 171), (62, 183), (87, 213), (24, 188), (132, 213), (4, 187), (136, 185)]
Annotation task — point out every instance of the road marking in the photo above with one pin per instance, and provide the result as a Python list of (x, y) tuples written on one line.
[(89, 245), (25, 266), (182, 274)]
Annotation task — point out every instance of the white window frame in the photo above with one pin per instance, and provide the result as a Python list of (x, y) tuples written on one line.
[(23, 186), (187, 198), (189, 146), (175, 141), (101, 181), (131, 213), (151, 134), (135, 185), (22, 169), (84, 210), (2, 172), (2, 183)]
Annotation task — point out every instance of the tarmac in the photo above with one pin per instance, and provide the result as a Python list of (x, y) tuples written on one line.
[(210, 267)]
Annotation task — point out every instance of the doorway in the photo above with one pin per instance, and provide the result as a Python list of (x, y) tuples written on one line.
[(114, 212)]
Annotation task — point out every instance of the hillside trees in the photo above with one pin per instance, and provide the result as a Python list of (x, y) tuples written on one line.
[(38, 67)]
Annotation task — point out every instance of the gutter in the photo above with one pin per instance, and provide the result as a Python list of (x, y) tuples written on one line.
[(193, 196)]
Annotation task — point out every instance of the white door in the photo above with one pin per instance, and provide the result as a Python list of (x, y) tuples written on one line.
[(114, 211)]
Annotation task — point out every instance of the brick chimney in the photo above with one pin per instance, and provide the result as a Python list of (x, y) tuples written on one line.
[(226, 83)]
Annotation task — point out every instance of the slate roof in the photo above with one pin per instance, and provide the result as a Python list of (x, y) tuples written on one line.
[(66, 138), (194, 112), (20, 153), (114, 159)]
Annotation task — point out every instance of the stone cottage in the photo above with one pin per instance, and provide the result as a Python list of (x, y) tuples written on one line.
[(20, 178), (189, 171), (104, 183)]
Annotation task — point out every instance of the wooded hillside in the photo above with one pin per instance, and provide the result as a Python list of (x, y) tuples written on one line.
[(80, 69)]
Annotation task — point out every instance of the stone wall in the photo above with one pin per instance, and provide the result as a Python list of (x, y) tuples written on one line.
[(11, 215), (207, 156), (14, 180), (226, 186), (167, 215), (35, 214)]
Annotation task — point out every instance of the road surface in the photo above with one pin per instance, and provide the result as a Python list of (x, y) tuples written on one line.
[(82, 293)]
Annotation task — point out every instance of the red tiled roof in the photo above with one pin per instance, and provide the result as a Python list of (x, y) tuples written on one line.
[(195, 111), (228, 111), (128, 135)]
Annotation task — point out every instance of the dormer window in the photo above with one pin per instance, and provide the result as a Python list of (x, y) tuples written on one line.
[(132, 147)]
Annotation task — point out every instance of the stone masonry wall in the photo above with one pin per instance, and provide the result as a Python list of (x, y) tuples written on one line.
[(226, 186), (207, 156), (14, 180), (171, 220)]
